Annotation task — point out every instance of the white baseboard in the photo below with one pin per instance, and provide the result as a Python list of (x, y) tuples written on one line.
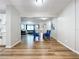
[(68, 47), (13, 44)]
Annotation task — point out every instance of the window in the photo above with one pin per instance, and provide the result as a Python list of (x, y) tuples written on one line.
[(30, 27)]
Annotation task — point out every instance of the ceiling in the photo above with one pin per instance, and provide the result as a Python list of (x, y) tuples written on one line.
[(28, 7), (35, 19), (50, 7), (3, 4)]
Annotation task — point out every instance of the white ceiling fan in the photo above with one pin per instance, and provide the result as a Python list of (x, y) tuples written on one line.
[(39, 2)]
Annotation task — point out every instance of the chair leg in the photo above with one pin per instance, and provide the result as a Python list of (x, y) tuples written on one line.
[(39, 37), (34, 38)]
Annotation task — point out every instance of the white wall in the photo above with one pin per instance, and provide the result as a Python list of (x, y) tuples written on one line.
[(13, 27), (66, 26), (48, 25), (2, 28), (53, 29), (77, 25)]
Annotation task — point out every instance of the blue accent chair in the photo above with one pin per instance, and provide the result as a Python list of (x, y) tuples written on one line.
[(47, 35), (36, 35)]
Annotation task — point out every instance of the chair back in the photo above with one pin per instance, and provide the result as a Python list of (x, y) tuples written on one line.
[(48, 32)]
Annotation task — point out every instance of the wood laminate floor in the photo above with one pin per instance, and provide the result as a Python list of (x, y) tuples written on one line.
[(29, 49)]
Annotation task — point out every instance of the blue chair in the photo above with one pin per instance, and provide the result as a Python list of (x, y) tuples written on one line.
[(47, 35), (36, 35)]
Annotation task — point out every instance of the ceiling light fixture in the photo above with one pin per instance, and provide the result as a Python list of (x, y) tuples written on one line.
[(39, 2), (44, 18)]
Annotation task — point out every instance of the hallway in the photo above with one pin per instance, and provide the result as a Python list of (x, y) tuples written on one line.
[(28, 49), (57, 20)]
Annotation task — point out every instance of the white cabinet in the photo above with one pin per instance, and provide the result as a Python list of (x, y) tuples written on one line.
[(2, 29)]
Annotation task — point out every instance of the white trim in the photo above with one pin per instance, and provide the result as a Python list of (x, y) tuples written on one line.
[(68, 47), (13, 44)]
